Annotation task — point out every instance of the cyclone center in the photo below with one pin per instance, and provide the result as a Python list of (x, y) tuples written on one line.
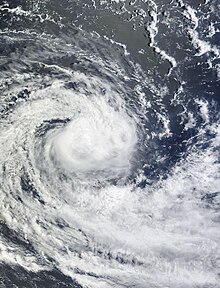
[(98, 139)]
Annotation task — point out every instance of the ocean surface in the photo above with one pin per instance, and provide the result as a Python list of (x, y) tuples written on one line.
[(110, 143)]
